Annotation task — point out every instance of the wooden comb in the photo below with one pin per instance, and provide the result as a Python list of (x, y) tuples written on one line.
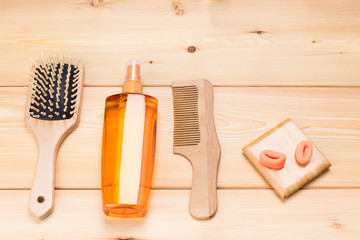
[(195, 138), (51, 113)]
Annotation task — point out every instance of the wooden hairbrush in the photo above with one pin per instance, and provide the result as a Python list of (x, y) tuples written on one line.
[(195, 138), (51, 113)]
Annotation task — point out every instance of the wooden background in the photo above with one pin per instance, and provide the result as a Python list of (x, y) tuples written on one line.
[(269, 60)]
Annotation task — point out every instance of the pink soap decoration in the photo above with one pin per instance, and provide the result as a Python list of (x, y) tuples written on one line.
[(272, 159)]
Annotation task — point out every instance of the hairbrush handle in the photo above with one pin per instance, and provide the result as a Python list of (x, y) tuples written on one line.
[(41, 202)]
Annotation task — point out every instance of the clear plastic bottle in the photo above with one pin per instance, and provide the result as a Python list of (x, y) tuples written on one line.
[(128, 148)]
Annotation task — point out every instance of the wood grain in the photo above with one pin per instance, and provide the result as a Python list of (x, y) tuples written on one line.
[(246, 214), (231, 43), (330, 117), (242, 43)]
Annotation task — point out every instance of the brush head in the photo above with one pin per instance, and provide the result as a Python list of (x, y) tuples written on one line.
[(186, 116), (54, 86)]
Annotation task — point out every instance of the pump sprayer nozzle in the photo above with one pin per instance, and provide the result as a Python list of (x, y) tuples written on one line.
[(133, 70), (132, 78)]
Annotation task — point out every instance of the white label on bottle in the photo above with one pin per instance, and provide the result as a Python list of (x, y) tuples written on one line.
[(131, 157)]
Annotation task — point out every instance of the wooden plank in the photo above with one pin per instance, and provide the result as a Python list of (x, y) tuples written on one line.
[(236, 42), (330, 117), (309, 214)]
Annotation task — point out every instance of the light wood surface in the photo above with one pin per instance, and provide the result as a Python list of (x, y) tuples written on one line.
[(248, 42), (245, 214), (195, 139), (268, 60), (284, 138)]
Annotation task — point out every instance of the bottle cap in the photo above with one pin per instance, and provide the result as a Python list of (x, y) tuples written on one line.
[(133, 70), (132, 82)]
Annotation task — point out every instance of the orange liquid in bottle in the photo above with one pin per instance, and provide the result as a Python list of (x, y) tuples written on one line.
[(128, 151)]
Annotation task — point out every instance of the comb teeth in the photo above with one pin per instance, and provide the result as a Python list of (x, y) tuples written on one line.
[(186, 116), (54, 89)]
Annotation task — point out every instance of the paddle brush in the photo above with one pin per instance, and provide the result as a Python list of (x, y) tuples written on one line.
[(51, 113)]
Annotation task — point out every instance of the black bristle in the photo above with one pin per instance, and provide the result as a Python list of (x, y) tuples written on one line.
[(58, 101)]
